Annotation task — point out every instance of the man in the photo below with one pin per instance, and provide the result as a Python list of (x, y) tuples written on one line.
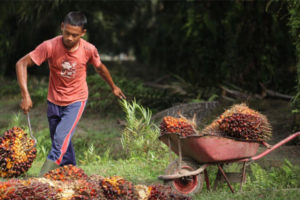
[(67, 56)]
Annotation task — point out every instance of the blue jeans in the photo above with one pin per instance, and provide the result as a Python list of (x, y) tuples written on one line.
[(62, 124)]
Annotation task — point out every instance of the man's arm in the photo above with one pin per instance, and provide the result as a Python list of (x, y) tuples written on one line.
[(104, 73), (21, 69)]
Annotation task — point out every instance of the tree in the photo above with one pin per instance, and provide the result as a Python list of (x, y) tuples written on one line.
[(294, 23)]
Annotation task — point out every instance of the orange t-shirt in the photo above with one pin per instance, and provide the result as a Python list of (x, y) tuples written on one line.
[(67, 80)]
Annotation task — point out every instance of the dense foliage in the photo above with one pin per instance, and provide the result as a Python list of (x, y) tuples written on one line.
[(294, 23), (205, 43), (209, 43)]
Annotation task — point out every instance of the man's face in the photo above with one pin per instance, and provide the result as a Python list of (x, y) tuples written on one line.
[(71, 35)]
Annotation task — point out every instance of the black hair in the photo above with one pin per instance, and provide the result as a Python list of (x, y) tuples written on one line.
[(76, 18)]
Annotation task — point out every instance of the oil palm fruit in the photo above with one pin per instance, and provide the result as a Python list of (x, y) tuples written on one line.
[(240, 121), (87, 189), (66, 173), (181, 126), (116, 187), (71, 183), (17, 153), (27, 189)]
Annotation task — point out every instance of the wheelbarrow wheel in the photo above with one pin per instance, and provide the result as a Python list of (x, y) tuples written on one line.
[(186, 185)]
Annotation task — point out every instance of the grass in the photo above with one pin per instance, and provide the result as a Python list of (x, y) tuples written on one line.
[(275, 194), (137, 170)]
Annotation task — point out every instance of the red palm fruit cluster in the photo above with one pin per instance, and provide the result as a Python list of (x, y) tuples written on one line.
[(117, 188), (242, 122), (19, 189), (8, 187), (245, 126), (161, 192), (17, 153), (87, 189), (66, 173), (180, 125)]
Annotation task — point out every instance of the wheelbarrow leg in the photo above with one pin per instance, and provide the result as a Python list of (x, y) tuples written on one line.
[(206, 180), (179, 154), (243, 176), (218, 179), (225, 177)]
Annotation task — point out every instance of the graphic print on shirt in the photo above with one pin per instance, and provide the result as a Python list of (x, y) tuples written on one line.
[(68, 69)]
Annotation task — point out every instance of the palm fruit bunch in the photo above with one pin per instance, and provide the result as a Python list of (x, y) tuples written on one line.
[(118, 188), (240, 121), (17, 153), (161, 192), (87, 189), (76, 185), (181, 126), (73, 183), (66, 173), (27, 189)]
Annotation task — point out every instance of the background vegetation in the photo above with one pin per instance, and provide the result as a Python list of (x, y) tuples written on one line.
[(203, 43)]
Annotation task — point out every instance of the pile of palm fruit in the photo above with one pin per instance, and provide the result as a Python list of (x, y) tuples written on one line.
[(181, 126), (71, 183), (87, 189), (118, 188), (239, 121), (17, 153), (66, 173), (27, 189)]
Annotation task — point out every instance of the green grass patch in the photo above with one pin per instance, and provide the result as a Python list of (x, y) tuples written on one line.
[(269, 194), (138, 170)]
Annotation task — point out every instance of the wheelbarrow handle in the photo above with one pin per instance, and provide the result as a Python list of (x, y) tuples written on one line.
[(272, 148), (185, 174), (30, 129)]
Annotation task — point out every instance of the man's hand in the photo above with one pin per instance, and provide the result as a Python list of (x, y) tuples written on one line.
[(118, 93), (26, 104)]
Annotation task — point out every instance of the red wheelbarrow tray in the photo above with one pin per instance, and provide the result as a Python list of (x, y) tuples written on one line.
[(217, 149)]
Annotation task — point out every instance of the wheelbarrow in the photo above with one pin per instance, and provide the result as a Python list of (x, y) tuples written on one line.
[(196, 152)]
